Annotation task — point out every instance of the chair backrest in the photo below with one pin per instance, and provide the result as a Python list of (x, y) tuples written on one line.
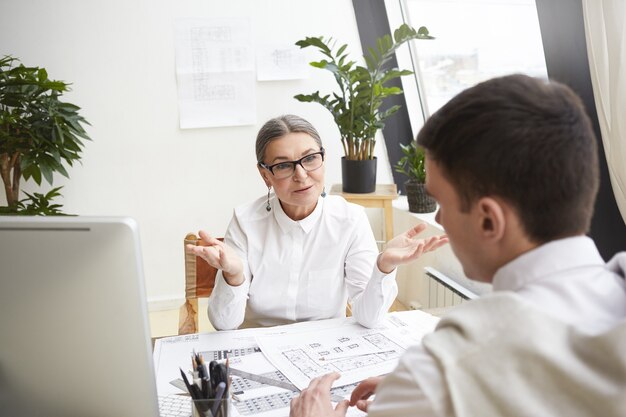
[(199, 282)]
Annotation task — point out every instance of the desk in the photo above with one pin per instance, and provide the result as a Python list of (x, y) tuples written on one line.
[(380, 198), (313, 339)]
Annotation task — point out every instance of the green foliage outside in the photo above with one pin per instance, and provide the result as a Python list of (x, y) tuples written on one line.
[(412, 163), (39, 134), (356, 106)]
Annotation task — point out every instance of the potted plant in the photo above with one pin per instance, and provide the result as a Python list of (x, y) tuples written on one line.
[(356, 107), (39, 135), (412, 165)]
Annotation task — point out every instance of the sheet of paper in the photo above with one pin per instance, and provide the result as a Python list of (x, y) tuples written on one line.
[(281, 62), (216, 99), (252, 398), (172, 353), (408, 327), (215, 73), (352, 350)]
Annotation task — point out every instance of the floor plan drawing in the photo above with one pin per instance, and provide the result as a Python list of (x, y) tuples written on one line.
[(352, 350), (343, 354)]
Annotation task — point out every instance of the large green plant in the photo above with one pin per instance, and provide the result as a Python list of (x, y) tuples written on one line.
[(39, 134), (362, 90), (412, 163)]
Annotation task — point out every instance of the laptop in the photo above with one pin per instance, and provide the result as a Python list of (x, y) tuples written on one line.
[(74, 331)]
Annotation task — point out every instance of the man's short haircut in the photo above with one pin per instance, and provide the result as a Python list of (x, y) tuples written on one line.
[(525, 140)]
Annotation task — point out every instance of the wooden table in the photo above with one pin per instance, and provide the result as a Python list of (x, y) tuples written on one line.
[(381, 198)]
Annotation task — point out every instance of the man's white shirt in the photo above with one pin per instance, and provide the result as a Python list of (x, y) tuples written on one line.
[(566, 279)]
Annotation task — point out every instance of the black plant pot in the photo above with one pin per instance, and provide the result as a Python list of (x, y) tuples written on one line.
[(358, 177), (419, 201)]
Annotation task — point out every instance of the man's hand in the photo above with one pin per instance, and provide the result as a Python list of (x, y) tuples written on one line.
[(221, 256), (406, 248), (314, 401), (363, 391)]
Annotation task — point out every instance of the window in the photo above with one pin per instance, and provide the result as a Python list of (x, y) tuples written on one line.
[(475, 40)]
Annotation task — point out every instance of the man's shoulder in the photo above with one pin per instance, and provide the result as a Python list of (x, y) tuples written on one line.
[(492, 305), (496, 314)]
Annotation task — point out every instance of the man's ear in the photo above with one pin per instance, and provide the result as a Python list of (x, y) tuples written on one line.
[(491, 217), (265, 175)]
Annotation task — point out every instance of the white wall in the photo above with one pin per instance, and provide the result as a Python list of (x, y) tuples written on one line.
[(119, 57)]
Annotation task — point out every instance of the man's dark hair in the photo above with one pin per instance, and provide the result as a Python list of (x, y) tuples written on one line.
[(525, 140)]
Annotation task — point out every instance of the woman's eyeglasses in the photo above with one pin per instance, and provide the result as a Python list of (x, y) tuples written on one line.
[(285, 169)]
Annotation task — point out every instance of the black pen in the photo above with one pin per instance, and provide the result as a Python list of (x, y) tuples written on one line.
[(205, 387), (194, 391), (213, 375), (186, 381)]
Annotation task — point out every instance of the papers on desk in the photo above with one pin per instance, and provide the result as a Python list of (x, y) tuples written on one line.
[(352, 350), (295, 351), (172, 353)]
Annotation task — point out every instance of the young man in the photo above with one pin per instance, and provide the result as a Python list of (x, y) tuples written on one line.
[(513, 165)]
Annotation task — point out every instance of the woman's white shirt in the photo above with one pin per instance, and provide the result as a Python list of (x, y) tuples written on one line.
[(302, 270)]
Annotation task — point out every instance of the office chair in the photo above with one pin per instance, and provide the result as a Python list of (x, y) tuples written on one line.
[(199, 282)]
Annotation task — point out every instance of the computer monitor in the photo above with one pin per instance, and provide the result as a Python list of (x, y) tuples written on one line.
[(74, 335)]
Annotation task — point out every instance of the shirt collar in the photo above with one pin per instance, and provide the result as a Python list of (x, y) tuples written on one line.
[(548, 259), (287, 224)]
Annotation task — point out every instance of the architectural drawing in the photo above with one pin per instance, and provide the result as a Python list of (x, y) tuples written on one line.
[(343, 354), (352, 350)]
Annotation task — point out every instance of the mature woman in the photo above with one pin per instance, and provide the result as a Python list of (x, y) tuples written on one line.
[(300, 254)]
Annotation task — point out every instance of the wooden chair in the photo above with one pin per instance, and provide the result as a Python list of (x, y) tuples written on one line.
[(199, 282)]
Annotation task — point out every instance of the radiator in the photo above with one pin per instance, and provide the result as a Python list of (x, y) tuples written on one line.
[(443, 292)]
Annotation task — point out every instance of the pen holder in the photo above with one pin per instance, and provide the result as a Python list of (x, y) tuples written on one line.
[(211, 407)]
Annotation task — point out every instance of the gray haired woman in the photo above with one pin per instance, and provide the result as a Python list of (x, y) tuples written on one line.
[(298, 254)]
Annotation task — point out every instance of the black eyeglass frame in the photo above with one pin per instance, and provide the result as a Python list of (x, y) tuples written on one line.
[(270, 168)]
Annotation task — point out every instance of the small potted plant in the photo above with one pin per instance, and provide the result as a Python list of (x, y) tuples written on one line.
[(39, 135), (356, 107), (412, 165)]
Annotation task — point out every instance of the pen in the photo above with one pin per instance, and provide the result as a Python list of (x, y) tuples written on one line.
[(219, 393), (193, 390), (213, 375), (206, 387), (227, 372), (203, 375)]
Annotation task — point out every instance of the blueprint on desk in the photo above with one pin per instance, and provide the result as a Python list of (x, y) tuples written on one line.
[(352, 350), (298, 352)]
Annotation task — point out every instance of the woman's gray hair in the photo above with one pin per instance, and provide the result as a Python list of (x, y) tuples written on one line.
[(280, 126)]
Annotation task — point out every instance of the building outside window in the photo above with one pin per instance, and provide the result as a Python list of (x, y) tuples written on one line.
[(475, 40)]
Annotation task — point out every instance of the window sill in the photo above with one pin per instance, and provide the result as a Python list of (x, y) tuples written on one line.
[(401, 203)]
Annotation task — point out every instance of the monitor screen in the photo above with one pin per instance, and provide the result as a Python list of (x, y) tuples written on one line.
[(73, 319)]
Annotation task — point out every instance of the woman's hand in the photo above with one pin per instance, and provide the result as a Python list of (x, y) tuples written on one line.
[(363, 391), (221, 256), (406, 248), (314, 401)]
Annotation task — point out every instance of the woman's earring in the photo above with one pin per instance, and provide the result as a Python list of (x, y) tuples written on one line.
[(268, 207), (324, 192)]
